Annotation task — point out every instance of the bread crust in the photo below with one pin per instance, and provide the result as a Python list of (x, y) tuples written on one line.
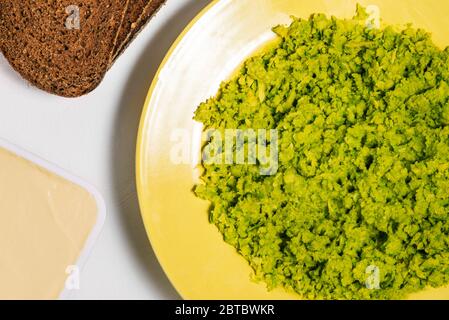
[(132, 14), (151, 8)]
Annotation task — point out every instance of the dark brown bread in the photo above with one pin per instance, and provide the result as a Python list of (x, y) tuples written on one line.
[(133, 12), (151, 7), (67, 62)]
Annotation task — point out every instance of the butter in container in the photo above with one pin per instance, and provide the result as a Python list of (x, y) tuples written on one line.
[(49, 221)]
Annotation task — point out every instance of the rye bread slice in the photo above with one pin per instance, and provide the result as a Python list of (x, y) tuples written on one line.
[(133, 26), (65, 61), (133, 12)]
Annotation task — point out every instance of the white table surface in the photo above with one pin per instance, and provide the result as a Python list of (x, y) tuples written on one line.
[(94, 138)]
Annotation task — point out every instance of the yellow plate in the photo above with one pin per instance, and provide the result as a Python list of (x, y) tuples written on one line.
[(196, 259)]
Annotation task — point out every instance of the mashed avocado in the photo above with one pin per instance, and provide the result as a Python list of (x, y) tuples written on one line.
[(362, 184)]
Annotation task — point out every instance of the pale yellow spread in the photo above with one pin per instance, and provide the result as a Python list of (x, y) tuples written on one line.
[(45, 221)]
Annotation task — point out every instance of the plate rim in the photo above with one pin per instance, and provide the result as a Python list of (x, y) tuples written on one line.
[(148, 113)]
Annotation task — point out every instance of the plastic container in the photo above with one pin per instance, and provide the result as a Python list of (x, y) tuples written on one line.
[(100, 204)]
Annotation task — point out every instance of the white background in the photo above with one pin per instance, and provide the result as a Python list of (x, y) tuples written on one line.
[(94, 137)]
